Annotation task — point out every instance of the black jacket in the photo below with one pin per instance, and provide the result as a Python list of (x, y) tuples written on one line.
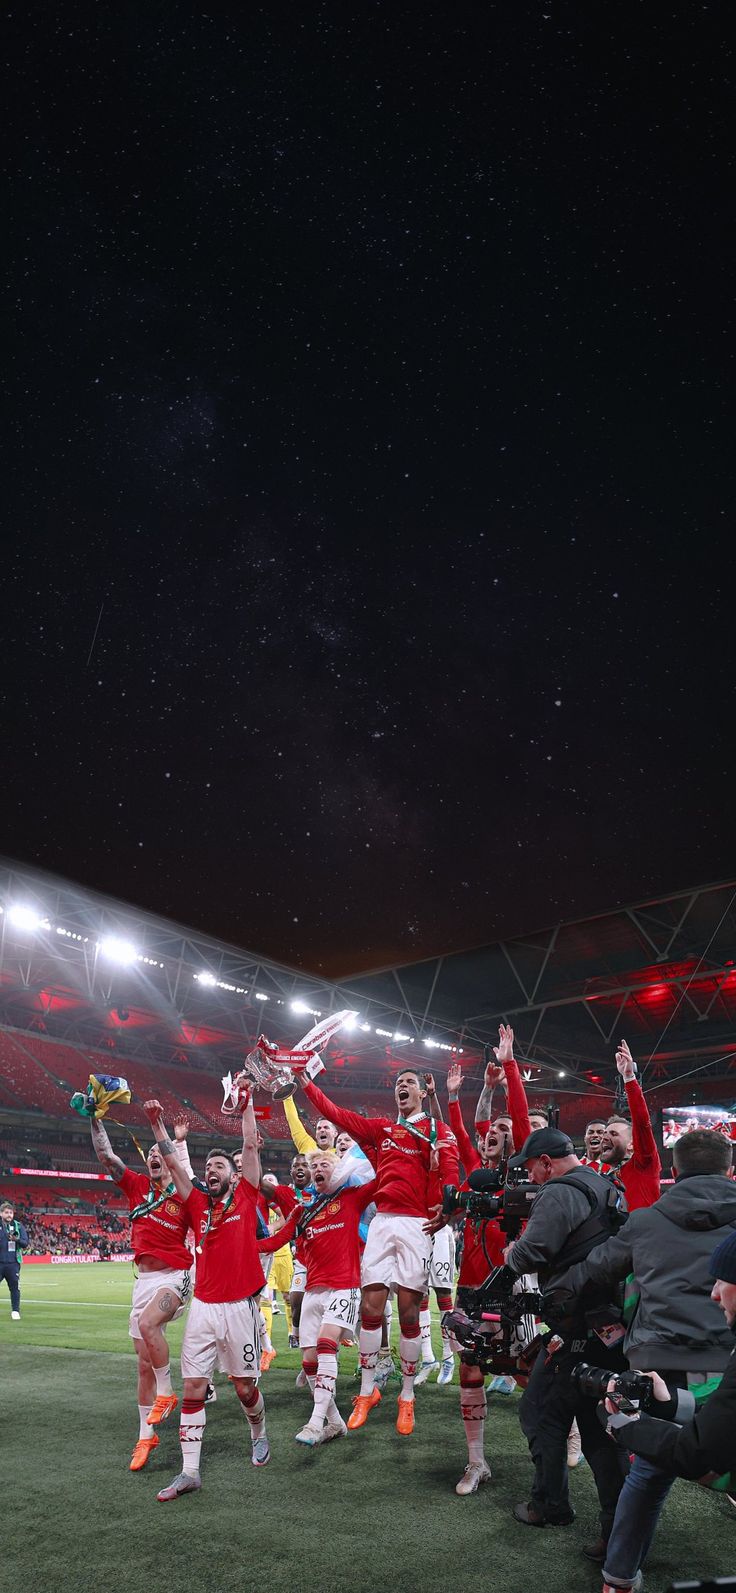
[(704, 1444), (10, 1247), (564, 1221), (668, 1248)]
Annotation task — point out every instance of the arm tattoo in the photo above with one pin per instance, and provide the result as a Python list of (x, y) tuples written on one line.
[(165, 1146), (99, 1136), (484, 1108), (104, 1151)]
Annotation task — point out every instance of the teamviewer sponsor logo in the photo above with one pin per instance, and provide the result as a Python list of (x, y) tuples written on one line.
[(407, 1150)]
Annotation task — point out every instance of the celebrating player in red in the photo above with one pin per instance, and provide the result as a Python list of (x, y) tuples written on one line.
[(223, 1323), (163, 1286), (630, 1147), (502, 1135), (414, 1157), (327, 1233)]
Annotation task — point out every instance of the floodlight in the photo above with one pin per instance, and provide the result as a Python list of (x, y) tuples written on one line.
[(206, 979), (298, 1006), (117, 950), (260, 996), (23, 917)]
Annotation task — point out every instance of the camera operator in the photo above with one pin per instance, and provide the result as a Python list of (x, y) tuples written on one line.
[(574, 1211), (683, 1436), (676, 1326)]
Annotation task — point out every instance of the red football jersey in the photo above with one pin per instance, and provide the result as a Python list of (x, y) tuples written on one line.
[(406, 1184), (161, 1233), (474, 1266), (228, 1267), (330, 1244), (287, 1200)]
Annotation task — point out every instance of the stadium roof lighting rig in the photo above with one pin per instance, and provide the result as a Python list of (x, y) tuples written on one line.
[(23, 917), (119, 949)]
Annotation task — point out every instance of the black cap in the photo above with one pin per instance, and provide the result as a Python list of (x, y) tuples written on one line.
[(723, 1260), (547, 1142)]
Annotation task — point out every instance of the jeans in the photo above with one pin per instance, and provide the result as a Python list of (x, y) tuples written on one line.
[(10, 1271), (637, 1513), (546, 1413)]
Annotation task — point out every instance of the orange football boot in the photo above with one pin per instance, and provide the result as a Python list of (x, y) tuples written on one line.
[(267, 1356), (142, 1451), (362, 1403), (162, 1407), (405, 1418)]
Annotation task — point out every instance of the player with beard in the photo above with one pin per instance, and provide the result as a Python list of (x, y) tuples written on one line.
[(414, 1157), (222, 1328), (159, 1227), (328, 1233), (497, 1146), (629, 1148)]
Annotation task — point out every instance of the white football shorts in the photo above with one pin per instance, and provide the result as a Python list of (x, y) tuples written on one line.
[(299, 1278), (442, 1265), (339, 1307), (397, 1253), (148, 1284), (225, 1336)]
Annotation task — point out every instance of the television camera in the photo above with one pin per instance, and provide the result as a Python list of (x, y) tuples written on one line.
[(487, 1321)]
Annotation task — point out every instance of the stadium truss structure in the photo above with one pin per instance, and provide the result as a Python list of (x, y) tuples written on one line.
[(97, 973)]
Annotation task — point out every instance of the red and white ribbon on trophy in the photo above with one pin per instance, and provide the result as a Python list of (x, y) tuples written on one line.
[(273, 1067)]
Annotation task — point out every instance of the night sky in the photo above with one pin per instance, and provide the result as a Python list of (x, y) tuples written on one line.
[(367, 481)]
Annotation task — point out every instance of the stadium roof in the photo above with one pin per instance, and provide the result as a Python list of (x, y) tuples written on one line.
[(92, 970)]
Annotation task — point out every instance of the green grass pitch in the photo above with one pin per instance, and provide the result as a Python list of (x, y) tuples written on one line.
[(374, 1512)]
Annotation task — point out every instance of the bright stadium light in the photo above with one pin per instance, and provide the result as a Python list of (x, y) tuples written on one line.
[(299, 1006), (260, 996), (206, 979), (117, 950), (23, 917), (561, 1074)]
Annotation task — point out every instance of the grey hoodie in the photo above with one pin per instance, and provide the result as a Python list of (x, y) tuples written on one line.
[(668, 1246)]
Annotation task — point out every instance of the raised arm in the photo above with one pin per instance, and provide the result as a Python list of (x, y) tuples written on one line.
[(433, 1100), (364, 1129), (104, 1151), (494, 1075), (251, 1164), (181, 1129), (644, 1153), (169, 1150), (468, 1153), (302, 1140), (517, 1103)]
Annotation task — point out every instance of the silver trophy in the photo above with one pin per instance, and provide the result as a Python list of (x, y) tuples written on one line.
[(273, 1068)]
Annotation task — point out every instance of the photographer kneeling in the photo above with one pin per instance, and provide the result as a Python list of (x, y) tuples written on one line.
[(575, 1211)]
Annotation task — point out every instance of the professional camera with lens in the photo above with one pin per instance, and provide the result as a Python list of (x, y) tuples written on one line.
[(631, 1391), (499, 1194), (486, 1321)]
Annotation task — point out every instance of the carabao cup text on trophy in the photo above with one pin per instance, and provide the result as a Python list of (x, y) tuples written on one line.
[(273, 1068)]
